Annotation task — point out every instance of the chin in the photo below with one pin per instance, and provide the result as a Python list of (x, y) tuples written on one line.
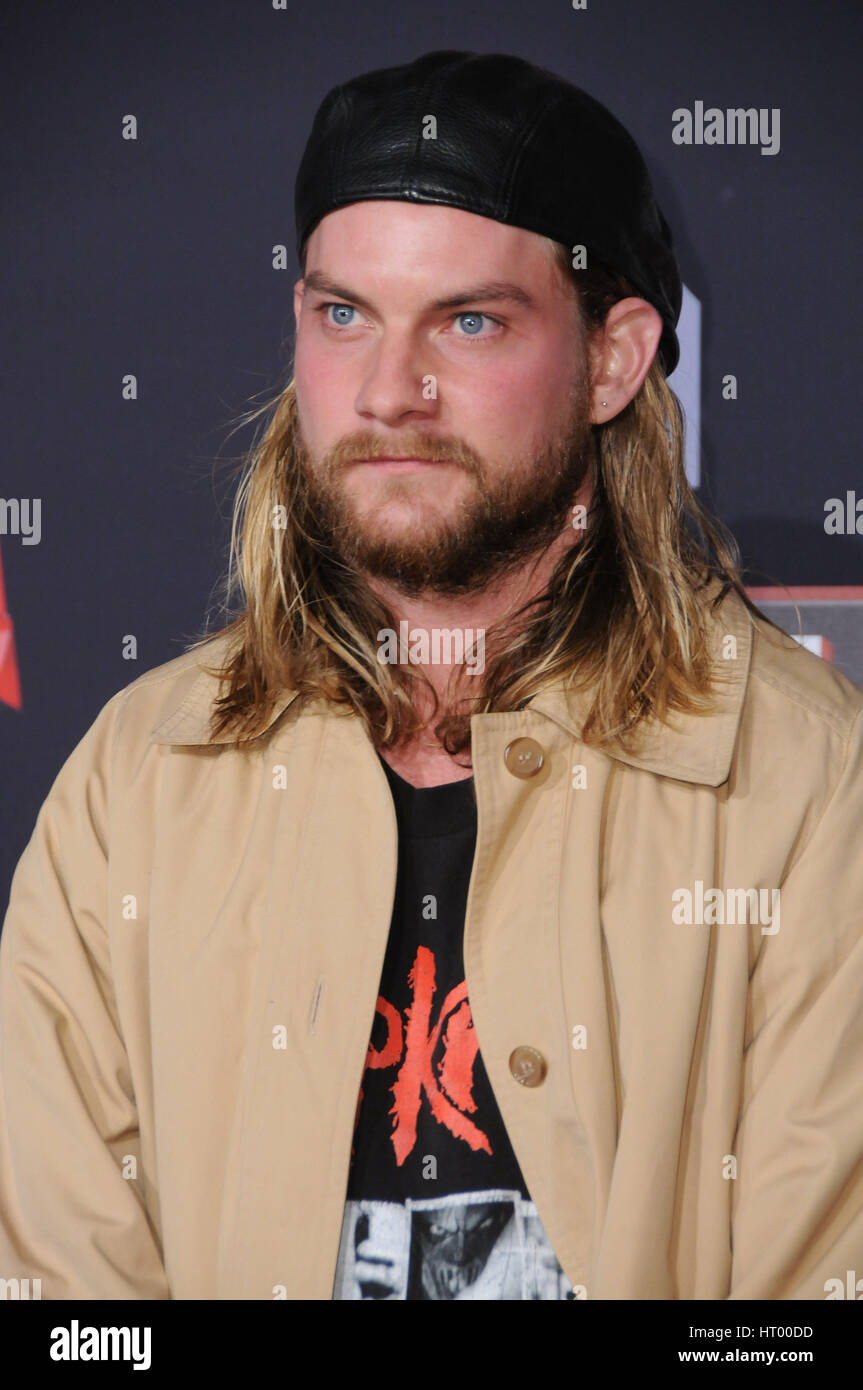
[(397, 520)]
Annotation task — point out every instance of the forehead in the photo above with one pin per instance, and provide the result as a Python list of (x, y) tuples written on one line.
[(384, 238)]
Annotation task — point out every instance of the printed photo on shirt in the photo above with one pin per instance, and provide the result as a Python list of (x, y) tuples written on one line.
[(482, 1245)]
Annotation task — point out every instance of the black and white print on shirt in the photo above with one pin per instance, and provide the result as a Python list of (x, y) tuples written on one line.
[(478, 1245)]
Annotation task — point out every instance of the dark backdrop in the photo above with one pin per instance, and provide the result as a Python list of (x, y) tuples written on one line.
[(154, 257)]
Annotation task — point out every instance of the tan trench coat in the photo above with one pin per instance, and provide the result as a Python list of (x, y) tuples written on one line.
[(177, 904)]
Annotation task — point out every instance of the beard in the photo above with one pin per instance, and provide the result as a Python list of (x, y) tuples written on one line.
[(502, 523)]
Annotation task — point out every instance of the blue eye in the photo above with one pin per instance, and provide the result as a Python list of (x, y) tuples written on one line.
[(341, 309), (472, 317)]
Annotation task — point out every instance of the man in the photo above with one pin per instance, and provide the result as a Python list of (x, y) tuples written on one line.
[(478, 916)]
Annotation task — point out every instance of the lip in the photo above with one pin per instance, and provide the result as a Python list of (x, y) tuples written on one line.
[(399, 464)]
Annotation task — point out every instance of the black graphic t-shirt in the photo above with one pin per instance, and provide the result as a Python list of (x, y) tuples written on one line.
[(436, 1205)]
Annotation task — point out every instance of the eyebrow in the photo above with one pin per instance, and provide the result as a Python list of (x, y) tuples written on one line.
[(493, 291)]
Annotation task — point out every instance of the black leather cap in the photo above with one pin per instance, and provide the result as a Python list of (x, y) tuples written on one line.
[(514, 142)]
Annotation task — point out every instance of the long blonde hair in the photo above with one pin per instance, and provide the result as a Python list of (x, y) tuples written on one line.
[(623, 611)]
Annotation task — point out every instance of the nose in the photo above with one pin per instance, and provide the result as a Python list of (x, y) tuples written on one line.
[(397, 386)]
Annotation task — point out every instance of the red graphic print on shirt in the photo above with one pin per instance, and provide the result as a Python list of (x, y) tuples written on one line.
[(435, 1060)]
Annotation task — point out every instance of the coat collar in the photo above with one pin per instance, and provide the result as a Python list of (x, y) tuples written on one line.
[(689, 748)]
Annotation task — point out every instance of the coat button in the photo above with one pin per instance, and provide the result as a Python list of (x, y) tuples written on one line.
[(527, 1065), (524, 757)]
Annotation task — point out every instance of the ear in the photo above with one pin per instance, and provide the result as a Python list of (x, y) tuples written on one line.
[(299, 288), (620, 356)]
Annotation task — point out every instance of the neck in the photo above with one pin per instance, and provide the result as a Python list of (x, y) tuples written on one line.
[(422, 760)]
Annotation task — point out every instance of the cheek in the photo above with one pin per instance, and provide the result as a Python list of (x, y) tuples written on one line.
[(510, 406), (307, 366), (322, 366), (321, 395)]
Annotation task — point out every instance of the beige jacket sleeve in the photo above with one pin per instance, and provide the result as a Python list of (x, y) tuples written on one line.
[(67, 1105), (798, 1196)]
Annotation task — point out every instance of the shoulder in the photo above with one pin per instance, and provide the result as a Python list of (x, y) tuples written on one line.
[(127, 724), (801, 725), (188, 683), (798, 688)]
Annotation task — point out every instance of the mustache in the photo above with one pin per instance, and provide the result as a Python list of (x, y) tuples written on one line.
[(431, 449)]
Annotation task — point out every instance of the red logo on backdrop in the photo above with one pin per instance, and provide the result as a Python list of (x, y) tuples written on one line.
[(10, 685), (432, 1059)]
